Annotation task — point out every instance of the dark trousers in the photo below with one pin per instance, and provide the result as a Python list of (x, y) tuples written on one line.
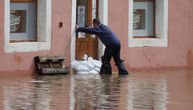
[(112, 50)]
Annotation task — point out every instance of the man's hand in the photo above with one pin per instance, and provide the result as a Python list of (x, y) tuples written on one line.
[(76, 27)]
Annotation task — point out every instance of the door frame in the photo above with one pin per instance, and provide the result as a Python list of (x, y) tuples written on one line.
[(103, 16)]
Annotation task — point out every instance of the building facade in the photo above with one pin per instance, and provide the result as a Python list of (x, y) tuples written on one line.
[(153, 33)]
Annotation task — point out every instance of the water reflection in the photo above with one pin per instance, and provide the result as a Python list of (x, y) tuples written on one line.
[(119, 93), (41, 93), (96, 92), (85, 92), (27, 97), (147, 94)]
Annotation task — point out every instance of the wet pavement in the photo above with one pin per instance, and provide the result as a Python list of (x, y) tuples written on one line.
[(155, 90)]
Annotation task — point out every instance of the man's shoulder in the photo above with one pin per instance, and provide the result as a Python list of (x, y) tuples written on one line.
[(102, 25)]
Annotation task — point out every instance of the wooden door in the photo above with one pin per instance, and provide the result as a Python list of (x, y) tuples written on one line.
[(86, 44)]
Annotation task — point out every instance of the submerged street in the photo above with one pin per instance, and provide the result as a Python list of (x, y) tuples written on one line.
[(148, 90)]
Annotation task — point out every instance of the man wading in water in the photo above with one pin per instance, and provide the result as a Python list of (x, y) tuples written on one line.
[(112, 44)]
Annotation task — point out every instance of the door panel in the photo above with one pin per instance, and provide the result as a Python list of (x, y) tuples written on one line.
[(88, 44)]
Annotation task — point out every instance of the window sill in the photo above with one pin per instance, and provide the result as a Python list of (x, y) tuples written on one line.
[(143, 42), (27, 46)]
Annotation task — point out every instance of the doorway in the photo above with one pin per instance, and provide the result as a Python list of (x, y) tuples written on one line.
[(86, 11)]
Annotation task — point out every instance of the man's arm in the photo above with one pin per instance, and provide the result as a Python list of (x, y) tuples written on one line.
[(89, 30)]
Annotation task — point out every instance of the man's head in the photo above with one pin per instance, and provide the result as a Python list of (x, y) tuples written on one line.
[(96, 22)]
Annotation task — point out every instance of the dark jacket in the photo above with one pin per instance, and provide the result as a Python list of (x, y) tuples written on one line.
[(105, 34)]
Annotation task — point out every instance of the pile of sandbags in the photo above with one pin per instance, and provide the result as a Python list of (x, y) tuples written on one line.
[(87, 65)]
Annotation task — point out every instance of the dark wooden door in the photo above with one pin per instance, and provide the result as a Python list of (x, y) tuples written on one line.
[(86, 44)]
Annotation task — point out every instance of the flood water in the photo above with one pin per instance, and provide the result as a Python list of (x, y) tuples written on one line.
[(155, 90)]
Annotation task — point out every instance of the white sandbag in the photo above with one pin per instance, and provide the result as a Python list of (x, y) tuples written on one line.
[(74, 63), (97, 63), (97, 69), (93, 72), (82, 72), (89, 58), (80, 67), (85, 57), (88, 64)]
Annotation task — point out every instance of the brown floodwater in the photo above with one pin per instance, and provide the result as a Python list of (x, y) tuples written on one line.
[(148, 90)]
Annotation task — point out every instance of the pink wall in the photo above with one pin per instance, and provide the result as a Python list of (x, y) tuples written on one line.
[(17, 62), (179, 52)]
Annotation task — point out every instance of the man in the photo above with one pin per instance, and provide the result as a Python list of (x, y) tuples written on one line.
[(112, 44)]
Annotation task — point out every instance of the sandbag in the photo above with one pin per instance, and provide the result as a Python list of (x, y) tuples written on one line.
[(87, 65)]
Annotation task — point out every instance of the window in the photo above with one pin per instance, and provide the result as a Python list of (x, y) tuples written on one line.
[(143, 18), (23, 21), (148, 23), (28, 27)]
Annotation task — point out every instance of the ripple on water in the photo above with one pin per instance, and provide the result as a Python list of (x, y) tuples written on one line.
[(86, 92)]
